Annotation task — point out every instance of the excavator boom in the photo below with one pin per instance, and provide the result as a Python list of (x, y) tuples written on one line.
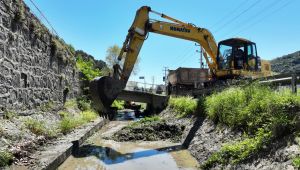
[(106, 89)]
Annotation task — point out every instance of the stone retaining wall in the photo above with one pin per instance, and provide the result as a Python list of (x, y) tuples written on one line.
[(35, 67)]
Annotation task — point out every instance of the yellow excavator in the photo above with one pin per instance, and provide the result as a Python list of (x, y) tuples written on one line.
[(230, 59)]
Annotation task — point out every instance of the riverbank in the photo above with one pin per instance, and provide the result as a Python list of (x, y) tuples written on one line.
[(45, 139)]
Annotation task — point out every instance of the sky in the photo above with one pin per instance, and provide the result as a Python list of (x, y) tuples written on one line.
[(95, 25)]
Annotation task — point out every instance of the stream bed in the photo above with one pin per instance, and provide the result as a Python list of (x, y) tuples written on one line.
[(100, 153)]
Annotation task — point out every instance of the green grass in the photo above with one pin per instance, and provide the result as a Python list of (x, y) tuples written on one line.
[(68, 122), (260, 111), (84, 104), (296, 162), (239, 151), (46, 107), (8, 114), (38, 127), (119, 104), (6, 158), (145, 121), (252, 107), (183, 106), (70, 104)]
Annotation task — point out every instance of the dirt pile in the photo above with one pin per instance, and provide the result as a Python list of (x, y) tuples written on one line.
[(150, 131)]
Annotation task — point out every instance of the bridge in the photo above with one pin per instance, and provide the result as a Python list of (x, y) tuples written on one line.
[(155, 101)]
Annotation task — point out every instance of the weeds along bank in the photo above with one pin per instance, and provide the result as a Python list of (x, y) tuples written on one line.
[(21, 136), (249, 127)]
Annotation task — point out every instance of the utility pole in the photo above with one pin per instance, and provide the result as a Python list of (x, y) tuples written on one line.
[(165, 77), (201, 55), (152, 84)]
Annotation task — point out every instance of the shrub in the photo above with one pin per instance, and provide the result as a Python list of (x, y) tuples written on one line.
[(6, 158), (183, 105), (119, 104)]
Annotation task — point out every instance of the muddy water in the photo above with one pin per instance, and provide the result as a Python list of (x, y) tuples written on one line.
[(100, 153)]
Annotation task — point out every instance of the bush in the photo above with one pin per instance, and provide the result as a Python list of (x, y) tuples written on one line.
[(6, 158), (252, 107), (183, 105), (119, 104)]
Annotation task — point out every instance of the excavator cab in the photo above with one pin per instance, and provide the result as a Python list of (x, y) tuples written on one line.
[(238, 54)]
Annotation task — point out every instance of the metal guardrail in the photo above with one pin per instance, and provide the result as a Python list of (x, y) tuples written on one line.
[(287, 79)]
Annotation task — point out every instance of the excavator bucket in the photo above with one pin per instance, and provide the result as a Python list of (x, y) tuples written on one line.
[(104, 90)]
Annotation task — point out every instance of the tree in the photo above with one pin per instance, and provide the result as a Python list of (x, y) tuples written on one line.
[(111, 58)]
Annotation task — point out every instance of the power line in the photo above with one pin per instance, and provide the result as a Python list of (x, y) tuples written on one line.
[(236, 17), (42, 14), (229, 14), (264, 10), (264, 17)]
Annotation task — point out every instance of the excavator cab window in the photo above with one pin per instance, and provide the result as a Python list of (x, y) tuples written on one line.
[(237, 54)]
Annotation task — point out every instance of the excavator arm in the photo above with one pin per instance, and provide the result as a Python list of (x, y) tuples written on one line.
[(142, 25), (106, 89)]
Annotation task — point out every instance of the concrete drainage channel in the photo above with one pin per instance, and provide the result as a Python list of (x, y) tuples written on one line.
[(53, 156)]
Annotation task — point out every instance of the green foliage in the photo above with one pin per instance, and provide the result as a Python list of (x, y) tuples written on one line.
[(70, 104), (8, 114), (46, 107), (252, 107), (296, 162), (38, 127), (69, 122), (119, 104), (145, 121), (111, 58), (236, 152), (183, 105), (6, 158), (84, 104), (87, 68), (88, 115)]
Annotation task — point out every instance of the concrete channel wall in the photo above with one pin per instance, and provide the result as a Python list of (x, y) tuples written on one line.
[(35, 66)]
